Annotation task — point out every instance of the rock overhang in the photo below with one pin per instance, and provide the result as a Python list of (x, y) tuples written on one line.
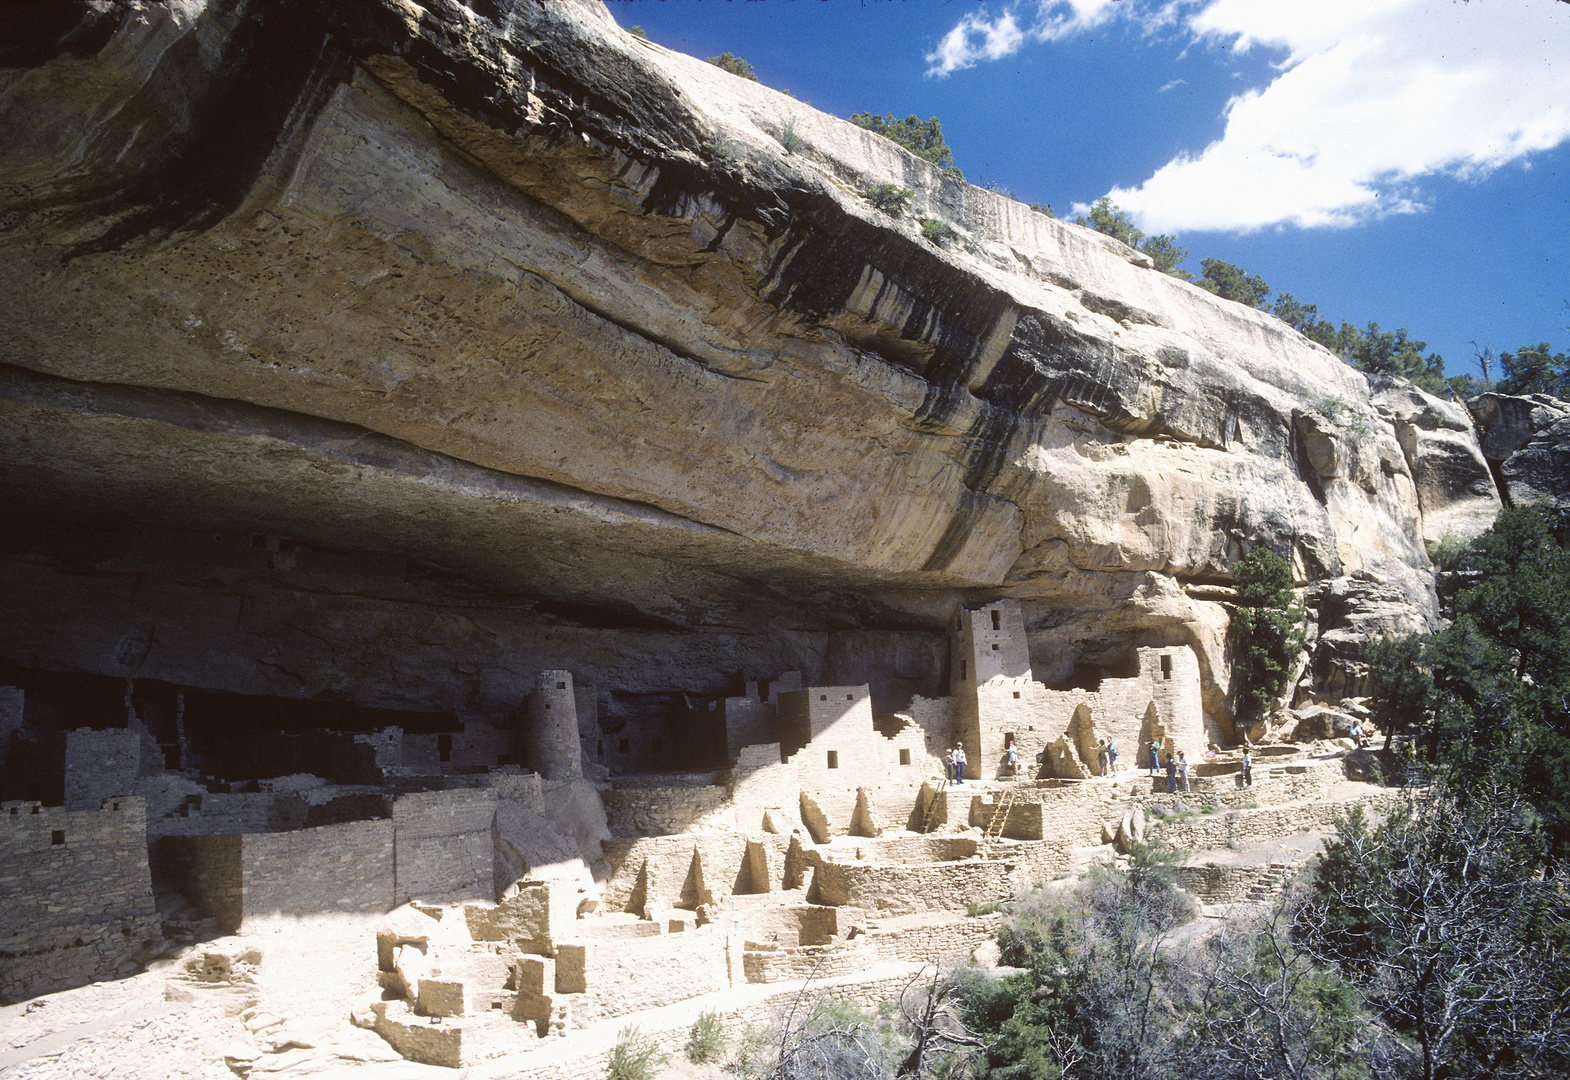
[(511, 241)]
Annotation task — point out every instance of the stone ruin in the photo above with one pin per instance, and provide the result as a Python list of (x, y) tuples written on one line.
[(533, 892)]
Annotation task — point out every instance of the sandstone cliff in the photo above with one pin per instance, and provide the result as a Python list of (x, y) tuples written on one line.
[(396, 352)]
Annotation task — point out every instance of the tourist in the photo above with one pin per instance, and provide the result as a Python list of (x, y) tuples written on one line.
[(1171, 774), (959, 764), (1013, 759), (1357, 732), (1248, 768), (1112, 756), (948, 766), (1182, 768), (1155, 756), (1101, 755)]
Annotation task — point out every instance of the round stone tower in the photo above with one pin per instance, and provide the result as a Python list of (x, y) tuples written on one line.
[(550, 734)]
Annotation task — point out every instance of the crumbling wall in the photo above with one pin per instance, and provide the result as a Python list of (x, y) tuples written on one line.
[(77, 894)]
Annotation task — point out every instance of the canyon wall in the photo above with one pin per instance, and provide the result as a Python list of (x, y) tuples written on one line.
[(392, 354)]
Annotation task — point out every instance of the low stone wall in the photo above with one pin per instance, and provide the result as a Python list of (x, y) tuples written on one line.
[(1248, 826), (77, 894), (918, 849), (904, 889), (615, 978), (941, 942), (1232, 884)]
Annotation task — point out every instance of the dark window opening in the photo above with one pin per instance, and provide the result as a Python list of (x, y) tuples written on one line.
[(823, 697), (57, 837), (623, 746), (904, 757), (997, 619), (444, 747), (763, 690), (994, 646), (834, 759), (1166, 667), (850, 697), (1016, 693), (561, 686)]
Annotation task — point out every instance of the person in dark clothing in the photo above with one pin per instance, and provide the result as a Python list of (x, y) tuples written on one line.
[(1171, 775)]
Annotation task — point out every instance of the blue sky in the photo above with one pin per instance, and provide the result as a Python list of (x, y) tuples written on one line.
[(1401, 161)]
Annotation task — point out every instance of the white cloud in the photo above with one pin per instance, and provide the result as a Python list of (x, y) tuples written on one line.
[(1372, 96), (979, 37)]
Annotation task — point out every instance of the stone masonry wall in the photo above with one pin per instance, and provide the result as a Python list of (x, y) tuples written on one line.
[(332, 868), (77, 896), (627, 976), (904, 889), (444, 852)]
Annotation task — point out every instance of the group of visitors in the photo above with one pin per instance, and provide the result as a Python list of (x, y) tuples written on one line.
[(1107, 756), (1177, 771), (955, 762)]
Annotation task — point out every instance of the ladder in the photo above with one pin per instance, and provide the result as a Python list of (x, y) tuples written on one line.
[(1000, 817), (932, 806)]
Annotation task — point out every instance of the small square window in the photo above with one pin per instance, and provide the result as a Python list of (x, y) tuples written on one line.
[(823, 697), (1016, 693), (850, 697), (994, 646), (834, 759), (57, 837), (561, 686), (904, 757), (623, 746)]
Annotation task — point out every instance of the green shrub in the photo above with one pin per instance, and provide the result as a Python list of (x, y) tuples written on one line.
[(635, 1056), (733, 64), (721, 147), (991, 907), (937, 230), (892, 199), (788, 137), (706, 1041)]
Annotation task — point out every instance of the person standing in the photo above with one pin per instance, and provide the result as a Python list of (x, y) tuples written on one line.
[(1101, 755), (1171, 774), (1155, 757), (1112, 756), (1248, 768), (1013, 758), (959, 764), (1182, 768), (948, 765)]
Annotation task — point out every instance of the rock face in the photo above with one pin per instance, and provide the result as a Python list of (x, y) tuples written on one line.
[(1527, 439), (394, 354)]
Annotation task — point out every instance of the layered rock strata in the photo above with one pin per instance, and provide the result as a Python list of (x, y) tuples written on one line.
[(398, 353)]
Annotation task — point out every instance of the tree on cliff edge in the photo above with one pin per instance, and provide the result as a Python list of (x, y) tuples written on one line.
[(1266, 631)]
